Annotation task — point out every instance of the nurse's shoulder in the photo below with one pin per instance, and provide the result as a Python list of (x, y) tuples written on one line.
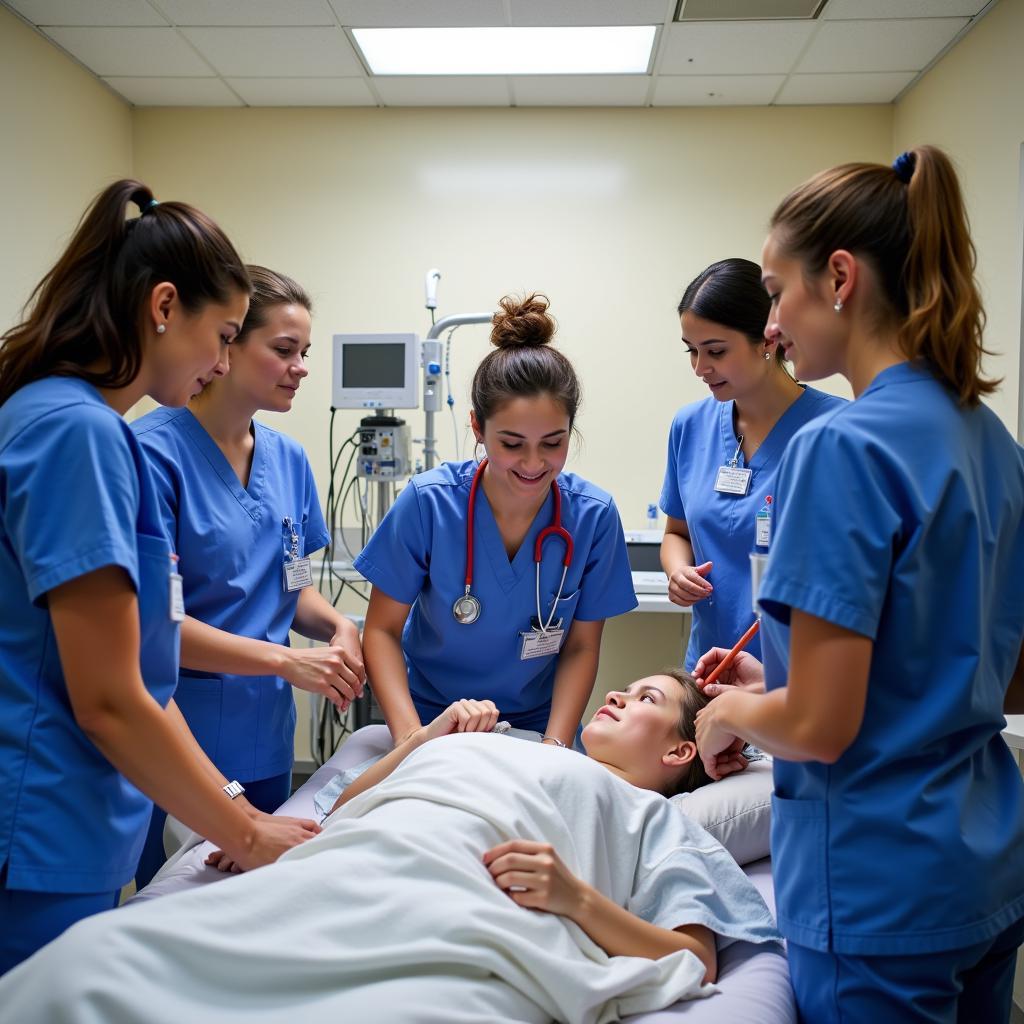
[(697, 419), (583, 494)]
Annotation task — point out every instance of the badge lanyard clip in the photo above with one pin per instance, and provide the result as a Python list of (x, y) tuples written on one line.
[(297, 571)]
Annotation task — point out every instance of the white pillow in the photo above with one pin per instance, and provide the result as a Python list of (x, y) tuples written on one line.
[(736, 810)]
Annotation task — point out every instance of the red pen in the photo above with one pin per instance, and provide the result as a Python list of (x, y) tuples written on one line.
[(731, 656)]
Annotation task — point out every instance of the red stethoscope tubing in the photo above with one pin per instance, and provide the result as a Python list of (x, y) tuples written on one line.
[(554, 530)]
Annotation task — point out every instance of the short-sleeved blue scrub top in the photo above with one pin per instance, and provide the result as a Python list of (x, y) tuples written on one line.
[(900, 518), (75, 496), (418, 557), (233, 541), (722, 526)]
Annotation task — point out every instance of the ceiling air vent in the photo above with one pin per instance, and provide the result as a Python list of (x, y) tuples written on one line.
[(747, 10)]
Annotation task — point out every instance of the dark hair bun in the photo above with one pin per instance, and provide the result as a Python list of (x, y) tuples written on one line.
[(522, 322)]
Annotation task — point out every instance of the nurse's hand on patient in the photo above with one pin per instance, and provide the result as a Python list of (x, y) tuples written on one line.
[(534, 876), (334, 672), (718, 748), (275, 833), (462, 716), (687, 586), (745, 673)]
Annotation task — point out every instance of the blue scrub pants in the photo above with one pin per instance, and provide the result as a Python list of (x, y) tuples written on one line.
[(961, 986), (29, 920), (265, 795)]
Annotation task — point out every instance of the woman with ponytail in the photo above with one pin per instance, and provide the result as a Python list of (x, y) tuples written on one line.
[(91, 600), (461, 607), (893, 614)]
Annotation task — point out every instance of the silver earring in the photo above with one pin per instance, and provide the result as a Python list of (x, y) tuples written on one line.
[(767, 356), (160, 328), (838, 307)]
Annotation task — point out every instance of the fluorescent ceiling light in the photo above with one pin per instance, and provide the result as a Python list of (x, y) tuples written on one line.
[(604, 50)]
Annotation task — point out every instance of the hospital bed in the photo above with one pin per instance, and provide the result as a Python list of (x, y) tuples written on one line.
[(754, 980)]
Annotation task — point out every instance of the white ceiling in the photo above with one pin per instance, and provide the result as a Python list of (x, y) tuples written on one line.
[(302, 53)]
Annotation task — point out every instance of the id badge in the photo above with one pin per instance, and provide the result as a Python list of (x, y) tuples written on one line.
[(297, 574), (537, 644), (733, 480), (763, 531), (177, 605)]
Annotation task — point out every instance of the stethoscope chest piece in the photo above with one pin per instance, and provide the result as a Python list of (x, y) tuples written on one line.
[(466, 609)]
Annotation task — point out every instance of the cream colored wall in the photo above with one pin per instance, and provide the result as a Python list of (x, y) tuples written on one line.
[(65, 136), (970, 103), (610, 212)]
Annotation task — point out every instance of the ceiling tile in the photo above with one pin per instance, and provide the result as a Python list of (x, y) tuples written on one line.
[(304, 92), (715, 90), (174, 92), (855, 10), (98, 12), (590, 12), (879, 87), (443, 91), (580, 90), (419, 14), (276, 52), (889, 45), (131, 51), (247, 12), (733, 48)]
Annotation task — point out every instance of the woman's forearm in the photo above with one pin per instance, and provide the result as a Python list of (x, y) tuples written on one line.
[(317, 619), (205, 648), (676, 551), (382, 769), (621, 933), (574, 680), (389, 679)]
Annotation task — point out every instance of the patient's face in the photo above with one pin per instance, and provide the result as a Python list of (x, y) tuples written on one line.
[(637, 723)]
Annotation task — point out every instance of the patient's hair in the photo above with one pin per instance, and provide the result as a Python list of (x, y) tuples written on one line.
[(694, 776)]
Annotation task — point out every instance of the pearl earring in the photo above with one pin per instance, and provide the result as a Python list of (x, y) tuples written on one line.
[(160, 328), (838, 307), (767, 356)]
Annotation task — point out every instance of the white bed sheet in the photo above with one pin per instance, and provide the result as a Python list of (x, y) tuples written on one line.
[(754, 980)]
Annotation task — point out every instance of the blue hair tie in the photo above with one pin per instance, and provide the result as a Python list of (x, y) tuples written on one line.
[(904, 165)]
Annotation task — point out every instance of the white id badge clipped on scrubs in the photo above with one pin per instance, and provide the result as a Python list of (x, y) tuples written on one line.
[(539, 643), (732, 477), (177, 602), (297, 571)]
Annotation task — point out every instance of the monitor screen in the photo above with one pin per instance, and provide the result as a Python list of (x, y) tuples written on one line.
[(643, 556), (373, 366)]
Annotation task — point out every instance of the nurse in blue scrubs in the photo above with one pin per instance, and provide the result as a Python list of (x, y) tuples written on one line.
[(239, 500), (724, 451), (894, 614), (492, 580), (91, 603)]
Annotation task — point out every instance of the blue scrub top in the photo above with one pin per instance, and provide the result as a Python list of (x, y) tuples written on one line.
[(722, 529), (418, 557), (232, 541), (75, 496), (900, 518)]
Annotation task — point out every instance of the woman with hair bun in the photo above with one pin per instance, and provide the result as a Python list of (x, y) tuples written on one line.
[(91, 599), (492, 580), (724, 451), (894, 614)]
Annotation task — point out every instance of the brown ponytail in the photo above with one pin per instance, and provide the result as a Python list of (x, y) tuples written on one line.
[(909, 222), (83, 318)]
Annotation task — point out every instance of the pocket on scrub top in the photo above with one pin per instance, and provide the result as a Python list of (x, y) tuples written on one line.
[(799, 846), (565, 608), (199, 699)]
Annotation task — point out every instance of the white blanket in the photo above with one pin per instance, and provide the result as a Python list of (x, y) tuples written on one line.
[(390, 915)]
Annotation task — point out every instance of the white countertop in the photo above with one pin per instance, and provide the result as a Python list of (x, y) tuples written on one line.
[(1014, 731)]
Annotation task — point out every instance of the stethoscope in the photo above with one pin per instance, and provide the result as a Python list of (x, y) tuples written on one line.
[(467, 607)]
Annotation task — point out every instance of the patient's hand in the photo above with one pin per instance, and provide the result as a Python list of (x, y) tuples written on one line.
[(745, 673), (534, 876), (462, 716)]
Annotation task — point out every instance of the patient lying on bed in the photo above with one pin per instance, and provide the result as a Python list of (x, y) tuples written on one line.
[(466, 877)]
